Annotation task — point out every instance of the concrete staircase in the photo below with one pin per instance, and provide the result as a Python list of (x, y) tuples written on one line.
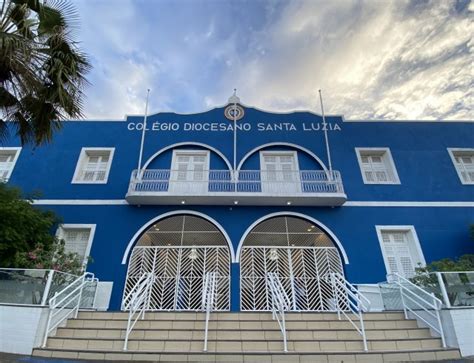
[(244, 337)]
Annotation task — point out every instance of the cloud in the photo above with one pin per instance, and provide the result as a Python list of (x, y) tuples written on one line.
[(373, 60)]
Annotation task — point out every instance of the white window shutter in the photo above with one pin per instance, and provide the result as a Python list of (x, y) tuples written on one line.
[(397, 253), (76, 240), (376, 166), (6, 164), (465, 166)]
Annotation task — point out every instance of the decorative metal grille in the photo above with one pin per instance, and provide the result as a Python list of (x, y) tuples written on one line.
[(180, 273), (298, 253), (301, 271)]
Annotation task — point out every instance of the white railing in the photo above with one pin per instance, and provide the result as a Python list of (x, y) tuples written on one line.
[(244, 181), (137, 302), (455, 287), (65, 303), (348, 299), (280, 303), (208, 299), (20, 286), (425, 306)]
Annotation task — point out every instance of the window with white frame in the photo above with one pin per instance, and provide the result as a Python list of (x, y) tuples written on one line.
[(377, 166), (463, 160), (77, 238), (93, 165), (8, 158), (401, 249), (189, 171)]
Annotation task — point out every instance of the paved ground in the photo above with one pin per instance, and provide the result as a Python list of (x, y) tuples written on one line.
[(14, 358)]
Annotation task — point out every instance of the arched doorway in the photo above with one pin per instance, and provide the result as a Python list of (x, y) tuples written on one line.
[(180, 250), (300, 252)]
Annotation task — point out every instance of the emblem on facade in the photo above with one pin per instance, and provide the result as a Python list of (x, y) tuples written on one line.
[(234, 111)]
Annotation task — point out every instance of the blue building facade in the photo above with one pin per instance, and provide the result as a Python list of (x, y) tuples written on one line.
[(242, 192)]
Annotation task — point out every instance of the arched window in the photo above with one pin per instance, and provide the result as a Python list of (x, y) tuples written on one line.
[(302, 255), (180, 250)]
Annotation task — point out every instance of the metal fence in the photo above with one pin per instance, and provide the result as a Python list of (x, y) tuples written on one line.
[(243, 181), (38, 286)]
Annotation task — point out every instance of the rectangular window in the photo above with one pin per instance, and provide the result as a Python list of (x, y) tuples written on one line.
[(400, 249), (93, 165), (189, 171), (279, 171), (463, 160), (8, 158), (377, 166), (77, 238)]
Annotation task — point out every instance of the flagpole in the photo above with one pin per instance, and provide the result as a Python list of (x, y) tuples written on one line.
[(139, 170), (235, 134), (325, 128)]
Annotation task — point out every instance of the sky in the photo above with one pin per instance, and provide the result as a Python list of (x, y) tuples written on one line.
[(371, 59)]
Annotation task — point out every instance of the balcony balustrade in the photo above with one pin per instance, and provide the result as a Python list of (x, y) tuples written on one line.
[(244, 187)]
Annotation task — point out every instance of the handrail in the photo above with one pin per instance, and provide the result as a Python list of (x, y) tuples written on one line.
[(280, 303), (304, 181), (58, 303), (208, 298), (347, 298), (426, 303), (138, 300)]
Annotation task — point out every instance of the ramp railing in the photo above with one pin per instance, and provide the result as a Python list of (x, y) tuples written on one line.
[(66, 303), (347, 299), (280, 303), (208, 299), (137, 302), (423, 305)]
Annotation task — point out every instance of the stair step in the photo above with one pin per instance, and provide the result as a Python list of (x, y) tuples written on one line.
[(267, 345), (250, 316), (226, 334), (248, 336), (235, 324), (387, 356)]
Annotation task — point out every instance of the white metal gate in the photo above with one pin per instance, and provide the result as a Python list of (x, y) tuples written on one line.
[(302, 271), (180, 273)]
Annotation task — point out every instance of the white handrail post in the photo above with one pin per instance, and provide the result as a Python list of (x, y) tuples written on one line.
[(150, 289), (443, 340), (209, 291), (444, 292), (80, 296), (402, 298), (51, 301), (362, 328), (336, 295), (49, 281), (95, 292)]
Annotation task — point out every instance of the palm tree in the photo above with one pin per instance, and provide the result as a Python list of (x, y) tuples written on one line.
[(42, 71)]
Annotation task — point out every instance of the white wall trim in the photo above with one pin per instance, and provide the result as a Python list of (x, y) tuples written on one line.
[(461, 204), (385, 151), (400, 228), (186, 143), (293, 214), (15, 158), (152, 221), (80, 162), (288, 144), (80, 202), (446, 204), (90, 227), (451, 151)]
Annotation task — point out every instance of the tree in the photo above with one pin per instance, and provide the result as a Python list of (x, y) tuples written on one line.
[(42, 70), (26, 240)]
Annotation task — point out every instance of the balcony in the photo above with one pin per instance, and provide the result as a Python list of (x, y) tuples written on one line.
[(246, 187)]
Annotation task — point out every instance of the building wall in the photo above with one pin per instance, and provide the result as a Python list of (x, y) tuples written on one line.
[(430, 197)]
